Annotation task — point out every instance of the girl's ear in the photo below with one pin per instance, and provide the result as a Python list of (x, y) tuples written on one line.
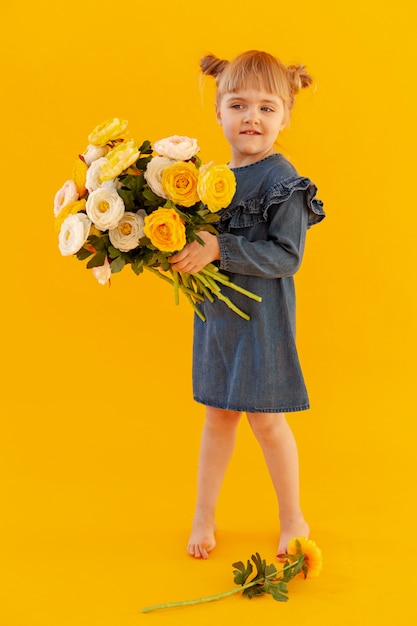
[(218, 117)]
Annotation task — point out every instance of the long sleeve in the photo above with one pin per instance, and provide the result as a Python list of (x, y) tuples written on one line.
[(279, 252)]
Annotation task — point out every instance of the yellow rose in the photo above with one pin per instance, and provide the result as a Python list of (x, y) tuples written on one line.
[(119, 159), (79, 175), (165, 230), (109, 130), (179, 181), (69, 209), (216, 186)]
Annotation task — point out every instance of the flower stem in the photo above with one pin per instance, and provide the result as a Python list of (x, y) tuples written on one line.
[(196, 309), (216, 289), (176, 287), (183, 288), (218, 596), (225, 280)]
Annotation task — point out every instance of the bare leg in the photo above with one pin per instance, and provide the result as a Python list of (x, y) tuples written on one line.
[(217, 444), (280, 451)]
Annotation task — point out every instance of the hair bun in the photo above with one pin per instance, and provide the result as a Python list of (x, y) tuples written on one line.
[(299, 77), (212, 66)]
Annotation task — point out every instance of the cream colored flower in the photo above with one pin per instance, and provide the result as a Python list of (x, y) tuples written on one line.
[(74, 233), (177, 147), (128, 231), (153, 174), (68, 193), (109, 130), (105, 208), (119, 159), (92, 153), (102, 273), (94, 176)]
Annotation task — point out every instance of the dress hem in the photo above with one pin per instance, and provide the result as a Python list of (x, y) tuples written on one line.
[(293, 409)]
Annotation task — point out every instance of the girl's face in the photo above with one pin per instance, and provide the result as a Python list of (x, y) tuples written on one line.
[(251, 121)]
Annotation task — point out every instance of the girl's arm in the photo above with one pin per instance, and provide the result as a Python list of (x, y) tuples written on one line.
[(193, 257), (278, 256)]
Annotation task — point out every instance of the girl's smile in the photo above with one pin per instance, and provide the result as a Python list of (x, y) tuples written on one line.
[(251, 120)]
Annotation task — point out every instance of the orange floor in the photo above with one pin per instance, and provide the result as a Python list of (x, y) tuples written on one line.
[(94, 528)]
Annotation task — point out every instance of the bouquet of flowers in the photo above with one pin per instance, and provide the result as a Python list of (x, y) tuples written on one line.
[(125, 205)]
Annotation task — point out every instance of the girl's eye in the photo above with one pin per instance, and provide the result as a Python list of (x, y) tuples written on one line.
[(267, 109), (237, 106)]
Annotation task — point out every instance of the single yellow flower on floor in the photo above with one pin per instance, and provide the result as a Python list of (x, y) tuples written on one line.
[(313, 559)]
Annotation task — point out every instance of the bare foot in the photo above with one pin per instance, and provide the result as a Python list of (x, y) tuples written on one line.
[(290, 530), (202, 539)]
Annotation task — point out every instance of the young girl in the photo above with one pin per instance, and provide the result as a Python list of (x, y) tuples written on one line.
[(252, 366)]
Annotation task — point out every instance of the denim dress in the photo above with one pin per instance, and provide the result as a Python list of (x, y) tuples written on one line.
[(253, 366)]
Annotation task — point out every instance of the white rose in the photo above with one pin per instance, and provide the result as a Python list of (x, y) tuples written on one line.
[(105, 208), (68, 193), (93, 179), (177, 147), (128, 231), (92, 153), (153, 174), (102, 273), (74, 233)]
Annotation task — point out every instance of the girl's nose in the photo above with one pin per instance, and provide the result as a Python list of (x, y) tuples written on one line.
[(251, 117)]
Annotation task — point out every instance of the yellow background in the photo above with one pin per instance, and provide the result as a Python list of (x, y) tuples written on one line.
[(99, 432)]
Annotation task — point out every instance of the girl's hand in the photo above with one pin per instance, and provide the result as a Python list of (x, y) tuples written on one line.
[(193, 257)]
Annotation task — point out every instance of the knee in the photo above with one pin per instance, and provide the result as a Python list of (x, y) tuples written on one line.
[(221, 419), (266, 426)]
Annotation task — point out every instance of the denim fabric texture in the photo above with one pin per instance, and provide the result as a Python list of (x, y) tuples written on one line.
[(253, 366)]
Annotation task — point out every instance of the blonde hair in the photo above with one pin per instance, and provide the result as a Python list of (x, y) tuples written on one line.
[(259, 70)]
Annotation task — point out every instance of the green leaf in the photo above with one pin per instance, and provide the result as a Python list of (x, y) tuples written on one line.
[(146, 147), (137, 266), (165, 264), (83, 254), (191, 235), (242, 573), (97, 260), (99, 243), (117, 265), (211, 218), (149, 195), (260, 565), (143, 162), (256, 590), (291, 570), (278, 592), (128, 198), (183, 216), (209, 228), (270, 570), (113, 252)]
